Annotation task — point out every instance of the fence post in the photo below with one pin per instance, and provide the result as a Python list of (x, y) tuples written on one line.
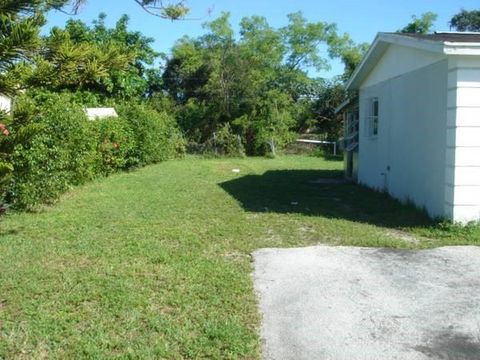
[(215, 143), (272, 147)]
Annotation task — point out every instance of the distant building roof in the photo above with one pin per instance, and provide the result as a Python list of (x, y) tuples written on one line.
[(100, 113), (5, 103)]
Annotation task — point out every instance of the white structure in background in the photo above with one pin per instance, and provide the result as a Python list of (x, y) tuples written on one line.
[(5, 103), (100, 113), (419, 121)]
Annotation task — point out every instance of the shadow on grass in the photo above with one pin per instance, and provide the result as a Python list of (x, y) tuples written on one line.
[(4, 233), (295, 191), (330, 157)]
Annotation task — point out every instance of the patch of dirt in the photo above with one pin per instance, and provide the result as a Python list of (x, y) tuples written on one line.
[(403, 235), (235, 256), (307, 229), (167, 310)]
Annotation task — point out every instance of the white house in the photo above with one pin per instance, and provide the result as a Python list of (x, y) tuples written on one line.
[(419, 121)]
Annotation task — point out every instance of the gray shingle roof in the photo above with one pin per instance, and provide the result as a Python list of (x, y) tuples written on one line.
[(447, 37)]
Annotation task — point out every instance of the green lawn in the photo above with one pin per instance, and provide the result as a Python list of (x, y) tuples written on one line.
[(155, 263)]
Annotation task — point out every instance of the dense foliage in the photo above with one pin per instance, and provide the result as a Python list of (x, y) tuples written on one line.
[(154, 134), (47, 144), (60, 152), (108, 62), (64, 148), (256, 83)]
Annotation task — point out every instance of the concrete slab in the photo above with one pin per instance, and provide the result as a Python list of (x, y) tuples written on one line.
[(347, 303)]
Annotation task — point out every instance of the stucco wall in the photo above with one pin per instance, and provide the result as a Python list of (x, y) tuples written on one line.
[(462, 183), (407, 158)]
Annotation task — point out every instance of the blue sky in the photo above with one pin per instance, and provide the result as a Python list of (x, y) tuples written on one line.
[(362, 19)]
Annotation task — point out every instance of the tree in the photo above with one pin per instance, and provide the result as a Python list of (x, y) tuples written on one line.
[(302, 40), (421, 25), (350, 53), (466, 21), (110, 62), (257, 84), (20, 23), (172, 10), (329, 97), (272, 121)]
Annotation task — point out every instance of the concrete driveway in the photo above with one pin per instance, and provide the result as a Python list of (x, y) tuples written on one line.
[(347, 303)]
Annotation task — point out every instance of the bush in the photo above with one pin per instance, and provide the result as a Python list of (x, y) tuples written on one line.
[(155, 133), (59, 153), (115, 146), (54, 146), (225, 142), (6, 167)]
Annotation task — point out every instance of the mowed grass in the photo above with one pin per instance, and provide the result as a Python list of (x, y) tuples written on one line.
[(155, 263)]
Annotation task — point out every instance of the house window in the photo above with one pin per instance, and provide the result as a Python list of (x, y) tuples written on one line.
[(351, 122), (372, 118)]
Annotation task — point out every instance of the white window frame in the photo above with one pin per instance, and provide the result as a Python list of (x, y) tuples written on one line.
[(351, 121), (373, 117), (348, 122)]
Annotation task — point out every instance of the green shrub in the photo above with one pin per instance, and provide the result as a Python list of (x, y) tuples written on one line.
[(59, 153), (225, 142), (115, 145), (155, 133), (6, 167), (54, 146)]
